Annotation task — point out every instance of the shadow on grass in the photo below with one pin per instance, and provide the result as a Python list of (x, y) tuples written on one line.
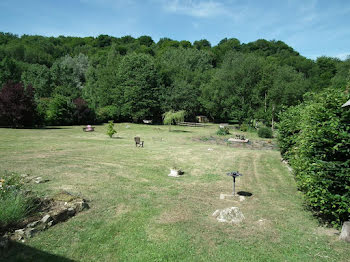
[(180, 131), (51, 128), (20, 252), (244, 193), (117, 137)]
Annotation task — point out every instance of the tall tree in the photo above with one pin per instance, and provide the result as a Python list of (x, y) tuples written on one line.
[(17, 105)]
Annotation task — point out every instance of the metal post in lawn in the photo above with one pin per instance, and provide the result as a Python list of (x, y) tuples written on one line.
[(234, 174)]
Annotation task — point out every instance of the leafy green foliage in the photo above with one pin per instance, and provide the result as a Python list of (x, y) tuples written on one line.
[(223, 131), (138, 84), (288, 129), (171, 117), (265, 132), (319, 153), (60, 110), (139, 79), (244, 127), (110, 129), (14, 204)]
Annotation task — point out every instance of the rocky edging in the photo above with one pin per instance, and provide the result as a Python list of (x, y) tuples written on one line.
[(59, 209)]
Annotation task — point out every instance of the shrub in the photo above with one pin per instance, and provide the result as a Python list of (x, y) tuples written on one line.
[(171, 117), (17, 105), (223, 131), (265, 132), (14, 204), (319, 153), (14, 207), (60, 110), (110, 129), (106, 113), (244, 127), (82, 114), (288, 129)]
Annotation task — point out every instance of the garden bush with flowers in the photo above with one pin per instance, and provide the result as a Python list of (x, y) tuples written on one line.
[(15, 203)]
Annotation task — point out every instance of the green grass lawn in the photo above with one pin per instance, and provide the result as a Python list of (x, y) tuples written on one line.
[(138, 213)]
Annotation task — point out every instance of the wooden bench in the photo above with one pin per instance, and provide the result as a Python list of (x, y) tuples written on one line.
[(138, 142)]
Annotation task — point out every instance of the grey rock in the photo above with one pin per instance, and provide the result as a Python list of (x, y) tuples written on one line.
[(19, 234), (241, 198), (40, 180), (59, 215), (33, 224), (50, 223), (81, 205), (47, 218), (345, 232), (229, 215), (29, 232)]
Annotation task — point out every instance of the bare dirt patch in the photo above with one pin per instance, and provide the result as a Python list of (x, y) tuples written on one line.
[(252, 144)]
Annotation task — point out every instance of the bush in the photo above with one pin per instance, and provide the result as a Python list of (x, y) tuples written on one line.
[(223, 131), (288, 129), (110, 129), (82, 114), (319, 153), (14, 207), (17, 105), (171, 117), (106, 113), (60, 110), (14, 204), (265, 132), (244, 127)]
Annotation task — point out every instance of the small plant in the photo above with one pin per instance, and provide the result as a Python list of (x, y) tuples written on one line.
[(265, 132), (244, 127), (15, 205), (110, 129), (222, 131)]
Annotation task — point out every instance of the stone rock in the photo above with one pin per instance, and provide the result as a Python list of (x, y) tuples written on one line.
[(229, 215), (80, 205), (175, 172), (47, 218), (241, 198), (19, 234), (227, 196), (40, 180), (33, 224), (59, 215), (238, 140), (29, 232), (345, 232), (71, 211)]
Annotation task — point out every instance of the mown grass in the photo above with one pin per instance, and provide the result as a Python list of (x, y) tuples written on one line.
[(138, 213)]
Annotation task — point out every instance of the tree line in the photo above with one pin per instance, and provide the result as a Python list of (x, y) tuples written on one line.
[(80, 80)]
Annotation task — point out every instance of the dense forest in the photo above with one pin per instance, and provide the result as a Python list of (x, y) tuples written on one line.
[(73, 80)]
